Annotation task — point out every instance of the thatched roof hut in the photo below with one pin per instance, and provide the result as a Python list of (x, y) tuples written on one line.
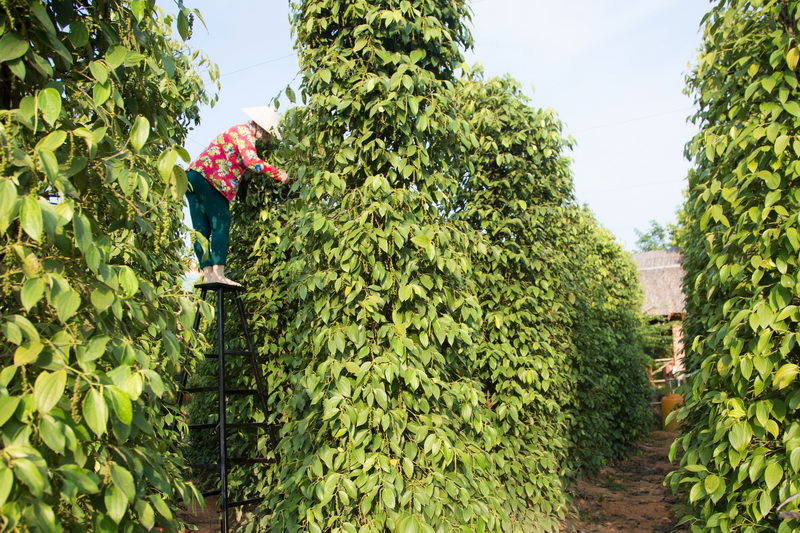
[(661, 275)]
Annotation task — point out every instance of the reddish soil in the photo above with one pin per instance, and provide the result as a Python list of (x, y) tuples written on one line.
[(628, 496), (206, 520)]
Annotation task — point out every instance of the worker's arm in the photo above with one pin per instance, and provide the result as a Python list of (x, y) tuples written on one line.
[(247, 149)]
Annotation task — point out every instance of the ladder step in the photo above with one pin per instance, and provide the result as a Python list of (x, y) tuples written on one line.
[(215, 492), (241, 392), (236, 460), (250, 461), (193, 390), (235, 425), (245, 502), (203, 466), (224, 286), (203, 426), (229, 352), (247, 425), (239, 352)]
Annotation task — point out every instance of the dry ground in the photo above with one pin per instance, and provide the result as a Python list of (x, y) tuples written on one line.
[(625, 497), (628, 496)]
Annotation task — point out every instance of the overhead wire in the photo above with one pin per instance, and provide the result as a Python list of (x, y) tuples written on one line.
[(636, 119), (256, 65), (634, 186), (273, 60)]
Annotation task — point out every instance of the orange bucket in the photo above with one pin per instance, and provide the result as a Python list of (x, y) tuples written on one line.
[(668, 404)]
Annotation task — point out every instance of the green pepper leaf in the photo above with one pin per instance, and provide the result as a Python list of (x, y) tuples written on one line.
[(48, 389), (12, 46)]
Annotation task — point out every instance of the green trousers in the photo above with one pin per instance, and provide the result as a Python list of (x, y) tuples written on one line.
[(211, 217)]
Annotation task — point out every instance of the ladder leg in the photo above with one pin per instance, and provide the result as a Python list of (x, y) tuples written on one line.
[(262, 390), (223, 466), (253, 362)]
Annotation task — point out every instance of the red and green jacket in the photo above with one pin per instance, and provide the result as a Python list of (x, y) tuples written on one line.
[(223, 163)]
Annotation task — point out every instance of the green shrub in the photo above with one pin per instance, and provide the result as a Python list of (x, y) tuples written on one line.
[(413, 290), (741, 442), (610, 409), (382, 428), (95, 100), (516, 187)]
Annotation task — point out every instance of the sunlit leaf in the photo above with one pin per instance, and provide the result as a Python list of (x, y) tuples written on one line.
[(123, 407), (50, 104), (123, 480), (8, 404), (116, 502), (67, 304), (83, 231), (12, 46), (99, 71), (95, 412), (140, 132), (48, 390), (101, 92), (52, 141), (6, 484), (785, 375), (32, 291), (27, 471), (128, 281), (31, 217), (52, 433)]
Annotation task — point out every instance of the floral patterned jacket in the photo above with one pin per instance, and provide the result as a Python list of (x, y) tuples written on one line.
[(223, 163)]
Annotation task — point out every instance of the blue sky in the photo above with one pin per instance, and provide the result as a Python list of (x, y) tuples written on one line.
[(613, 70)]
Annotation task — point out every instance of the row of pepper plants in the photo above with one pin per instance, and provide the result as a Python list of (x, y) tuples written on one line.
[(448, 338), (741, 440), (96, 99)]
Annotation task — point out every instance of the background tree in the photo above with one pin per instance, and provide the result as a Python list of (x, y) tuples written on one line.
[(95, 99), (657, 237), (741, 437)]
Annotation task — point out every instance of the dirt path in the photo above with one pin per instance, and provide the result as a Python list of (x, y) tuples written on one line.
[(628, 496), (625, 497)]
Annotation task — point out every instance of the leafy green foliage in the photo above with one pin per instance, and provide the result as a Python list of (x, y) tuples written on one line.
[(94, 102), (611, 404), (412, 290), (382, 428), (742, 435), (657, 237), (562, 356), (516, 187)]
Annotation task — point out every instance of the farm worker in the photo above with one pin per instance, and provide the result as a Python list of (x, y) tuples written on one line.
[(215, 177)]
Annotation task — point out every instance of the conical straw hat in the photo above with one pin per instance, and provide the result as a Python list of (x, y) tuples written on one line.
[(266, 116)]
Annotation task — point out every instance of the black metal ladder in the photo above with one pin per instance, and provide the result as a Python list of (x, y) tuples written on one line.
[(222, 391)]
